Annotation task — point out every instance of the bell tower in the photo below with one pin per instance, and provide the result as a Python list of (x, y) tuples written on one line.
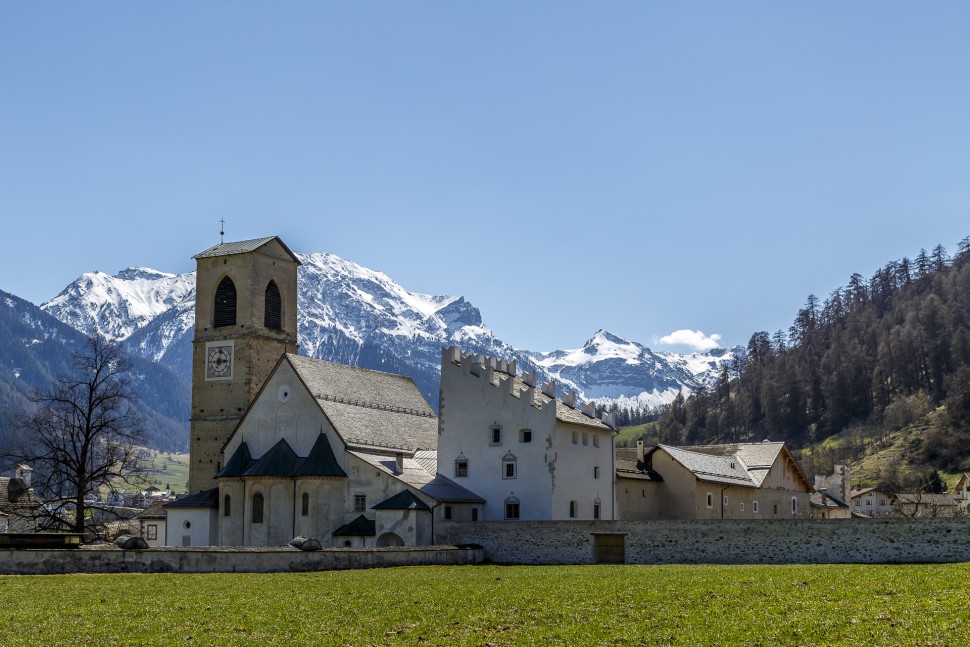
[(245, 319)]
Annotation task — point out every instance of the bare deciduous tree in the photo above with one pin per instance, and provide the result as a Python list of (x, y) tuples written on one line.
[(81, 436)]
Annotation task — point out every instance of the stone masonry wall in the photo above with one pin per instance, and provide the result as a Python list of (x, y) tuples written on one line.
[(224, 560), (810, 541)]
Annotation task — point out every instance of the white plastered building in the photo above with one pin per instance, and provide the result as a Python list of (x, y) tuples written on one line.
[(530, 455)]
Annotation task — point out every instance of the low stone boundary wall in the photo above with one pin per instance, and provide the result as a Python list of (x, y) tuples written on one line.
[(809, 541), (225, 560)]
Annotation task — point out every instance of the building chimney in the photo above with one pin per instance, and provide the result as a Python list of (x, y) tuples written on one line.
[(399, 462), (23, 472), (640, 450)]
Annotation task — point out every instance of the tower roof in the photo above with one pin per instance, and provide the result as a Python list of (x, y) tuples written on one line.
[(244, 247)]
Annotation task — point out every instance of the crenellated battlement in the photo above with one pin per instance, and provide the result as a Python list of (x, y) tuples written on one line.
[(503, 374)]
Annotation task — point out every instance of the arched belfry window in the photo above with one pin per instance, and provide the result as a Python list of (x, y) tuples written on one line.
[(274, 307), (225, 305)]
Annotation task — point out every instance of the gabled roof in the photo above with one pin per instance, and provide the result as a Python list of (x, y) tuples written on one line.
[(207, 499), (709, 467), (403, 500), (244, 247), (866, 490), (359, 527), (756, 458), (369, 408)]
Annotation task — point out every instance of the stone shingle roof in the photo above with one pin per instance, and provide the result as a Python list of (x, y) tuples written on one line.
[(403, 500), (710, 467), (16, 497), (629, 466), (370, 408), (413, 473), (154, 511), (243, 247), (320, 461)]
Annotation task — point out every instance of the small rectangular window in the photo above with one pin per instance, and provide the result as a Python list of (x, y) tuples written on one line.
[(585, 439), (710, 500), (575, 437), (596, 440), (152, 532), (754, 507), (596, 510), (794, 505), (508, 469), (474, 514), (776, 508), (360, 503), (724, 501), (461, 469), (525, 435), (447, 512), (742, 506), (511, 510), (573, 506), (496, 436), (596, 471)]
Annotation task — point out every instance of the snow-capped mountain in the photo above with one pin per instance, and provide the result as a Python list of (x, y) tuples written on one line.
[(117, 306), (354, 315), (610, 369), (37, 349)]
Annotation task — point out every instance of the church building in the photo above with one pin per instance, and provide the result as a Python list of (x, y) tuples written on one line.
[(284, 445)]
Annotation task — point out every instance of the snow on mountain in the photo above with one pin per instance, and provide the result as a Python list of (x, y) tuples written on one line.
[(608, 368), (354, 315), (117, 306)]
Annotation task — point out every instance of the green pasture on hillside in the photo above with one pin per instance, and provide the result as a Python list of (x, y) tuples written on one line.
[(499, 605)]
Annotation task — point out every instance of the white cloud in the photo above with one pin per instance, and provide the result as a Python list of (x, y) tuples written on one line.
[(696, 339)]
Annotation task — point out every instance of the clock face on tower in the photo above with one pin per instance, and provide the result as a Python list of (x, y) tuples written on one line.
[(218, 362)]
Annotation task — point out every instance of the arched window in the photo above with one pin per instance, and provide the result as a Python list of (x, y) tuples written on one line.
[(257, 508), (305, 505), (225, 304), (225, 505), (274, 307)]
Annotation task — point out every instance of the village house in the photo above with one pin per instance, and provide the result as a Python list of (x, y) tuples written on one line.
[(151, 524), (530, 455), (962, 493), (926, 504), (19, 505), (871, 502), (734, 481), (832, 495)]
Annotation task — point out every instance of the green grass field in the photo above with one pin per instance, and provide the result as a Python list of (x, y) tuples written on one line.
[(496, 605)]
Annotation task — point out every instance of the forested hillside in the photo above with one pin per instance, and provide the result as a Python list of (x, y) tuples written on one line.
[(880, 353)]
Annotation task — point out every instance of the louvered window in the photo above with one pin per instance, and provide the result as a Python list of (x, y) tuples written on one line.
[(225, 310), (274, 307)]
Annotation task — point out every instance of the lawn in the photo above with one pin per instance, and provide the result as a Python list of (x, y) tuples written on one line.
[(498, 605)]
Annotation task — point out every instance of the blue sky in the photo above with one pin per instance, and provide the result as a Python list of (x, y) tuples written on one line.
[(636, 166)]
